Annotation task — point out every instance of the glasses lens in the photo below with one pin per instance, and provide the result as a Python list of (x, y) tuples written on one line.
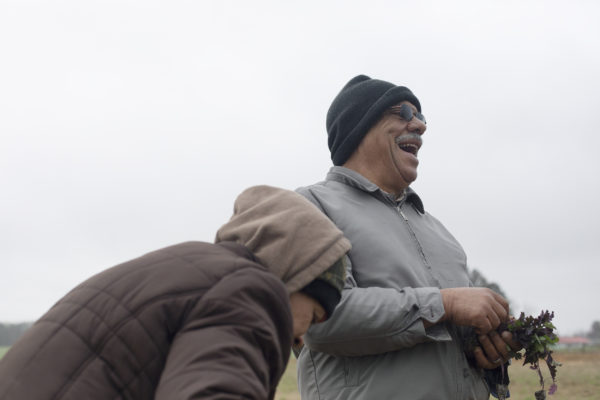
[(403, 111), (420, 117), (406, 113)]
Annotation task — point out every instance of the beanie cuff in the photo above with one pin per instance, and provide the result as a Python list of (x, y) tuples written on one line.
[(324, 293)]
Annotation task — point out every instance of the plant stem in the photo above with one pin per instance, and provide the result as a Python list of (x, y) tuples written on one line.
[(537, 368)]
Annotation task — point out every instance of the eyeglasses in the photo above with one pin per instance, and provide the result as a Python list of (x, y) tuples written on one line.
[(406, 113)]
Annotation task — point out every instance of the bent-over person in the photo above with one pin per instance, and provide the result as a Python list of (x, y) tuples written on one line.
[(193, 320)]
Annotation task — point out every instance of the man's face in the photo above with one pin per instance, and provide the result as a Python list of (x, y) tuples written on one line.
[(387, 155)]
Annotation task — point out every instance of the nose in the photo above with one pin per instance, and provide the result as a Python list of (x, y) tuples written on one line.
[(417, 126)]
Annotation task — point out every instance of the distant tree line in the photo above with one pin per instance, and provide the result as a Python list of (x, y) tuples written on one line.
[(479, 280), (9, 333), (594, 332)]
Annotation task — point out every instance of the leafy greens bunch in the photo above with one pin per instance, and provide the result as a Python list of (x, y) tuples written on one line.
[(537, 337)]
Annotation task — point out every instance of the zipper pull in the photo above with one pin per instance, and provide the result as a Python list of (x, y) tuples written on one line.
[(401, 213)]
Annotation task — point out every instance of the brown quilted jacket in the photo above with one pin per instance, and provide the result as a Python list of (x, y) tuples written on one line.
[(194, 320), (191, 321)]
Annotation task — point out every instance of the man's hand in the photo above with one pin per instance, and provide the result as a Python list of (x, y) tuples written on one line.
[(481, 308), (494, 349)]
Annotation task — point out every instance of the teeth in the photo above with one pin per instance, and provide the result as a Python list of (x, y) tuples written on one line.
[(409, 143), (409, 147)]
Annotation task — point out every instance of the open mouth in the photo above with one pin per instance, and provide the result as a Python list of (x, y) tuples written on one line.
[(409, 144), (409, 148)]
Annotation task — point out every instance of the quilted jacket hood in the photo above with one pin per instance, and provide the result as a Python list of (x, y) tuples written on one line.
[(286, 233)]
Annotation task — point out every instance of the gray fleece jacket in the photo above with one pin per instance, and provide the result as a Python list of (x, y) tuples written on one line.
[(375, 346)]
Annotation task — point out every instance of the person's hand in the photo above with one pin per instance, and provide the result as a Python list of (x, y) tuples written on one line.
[(481, 308), (494, 349)]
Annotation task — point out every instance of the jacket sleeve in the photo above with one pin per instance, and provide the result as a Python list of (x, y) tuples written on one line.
[(374, 320), (234, 344), (378, 320)]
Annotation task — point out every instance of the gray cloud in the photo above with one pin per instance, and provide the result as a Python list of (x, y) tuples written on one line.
[(133, 125)]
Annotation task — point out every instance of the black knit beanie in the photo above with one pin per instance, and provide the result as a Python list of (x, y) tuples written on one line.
[(327, 287), (359, 106)]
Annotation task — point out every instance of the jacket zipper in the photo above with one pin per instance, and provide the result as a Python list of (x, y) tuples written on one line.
[(412, 232), (457, 380)]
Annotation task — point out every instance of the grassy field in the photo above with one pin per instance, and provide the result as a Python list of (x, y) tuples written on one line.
[(578, 378)]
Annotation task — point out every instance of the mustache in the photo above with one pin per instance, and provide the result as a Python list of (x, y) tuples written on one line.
[(409, 138)]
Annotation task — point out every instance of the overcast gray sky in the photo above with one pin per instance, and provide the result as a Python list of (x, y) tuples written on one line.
[(127, 126)]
